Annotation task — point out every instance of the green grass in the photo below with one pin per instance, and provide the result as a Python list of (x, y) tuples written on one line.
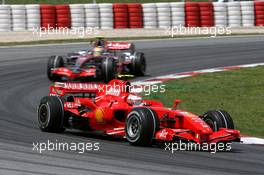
[(86, 40), (77, 40), (240, 92), (85, 1)]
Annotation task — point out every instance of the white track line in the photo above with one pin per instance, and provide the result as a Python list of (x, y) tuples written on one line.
[(252, 140)]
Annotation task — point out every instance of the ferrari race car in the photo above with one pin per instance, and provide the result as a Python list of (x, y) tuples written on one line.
[(112, 109), (105, 62)]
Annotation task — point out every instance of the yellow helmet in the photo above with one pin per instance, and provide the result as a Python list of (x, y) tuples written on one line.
[(97, 51)]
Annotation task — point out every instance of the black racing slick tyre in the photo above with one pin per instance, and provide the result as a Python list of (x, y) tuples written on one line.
[(108, 69), (218, 119), (51, 114), (54, 62), (139, 64), (141, 126)]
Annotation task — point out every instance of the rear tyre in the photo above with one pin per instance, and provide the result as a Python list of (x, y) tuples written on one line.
[(141, 126), (108, 69), (51, 114), (54, 62), (218, 119), (139, 64)]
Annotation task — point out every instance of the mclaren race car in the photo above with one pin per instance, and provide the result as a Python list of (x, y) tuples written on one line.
[(113, 110), (106, 61)]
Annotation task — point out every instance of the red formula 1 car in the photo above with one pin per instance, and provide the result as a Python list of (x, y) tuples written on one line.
[(106, 62), (113, 110)]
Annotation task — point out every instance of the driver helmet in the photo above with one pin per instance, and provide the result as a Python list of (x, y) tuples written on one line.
[(134, 100), (98, 51), (100, 41)]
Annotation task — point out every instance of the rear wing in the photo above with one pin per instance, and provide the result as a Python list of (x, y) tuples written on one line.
[(118, 45), (61, 89), (114, 87)]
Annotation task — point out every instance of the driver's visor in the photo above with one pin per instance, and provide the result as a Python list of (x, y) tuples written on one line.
[(97, 53)]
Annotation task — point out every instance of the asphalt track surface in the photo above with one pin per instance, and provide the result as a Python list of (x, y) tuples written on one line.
[(24, 82)]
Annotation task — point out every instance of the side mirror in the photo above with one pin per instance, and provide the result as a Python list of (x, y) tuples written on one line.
[(176, 103)]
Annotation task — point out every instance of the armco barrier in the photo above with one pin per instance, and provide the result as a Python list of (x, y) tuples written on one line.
[(134, 15)]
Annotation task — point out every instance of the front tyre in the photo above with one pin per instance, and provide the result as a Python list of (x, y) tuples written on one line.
[(54, 62), (139, 64), (108, 69), (218, 119), (141, 126), (51, 114)]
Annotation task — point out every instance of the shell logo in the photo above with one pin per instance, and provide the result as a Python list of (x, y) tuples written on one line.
[(99, 115)]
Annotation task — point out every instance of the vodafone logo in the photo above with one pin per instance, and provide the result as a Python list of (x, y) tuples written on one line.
[(118, 45)]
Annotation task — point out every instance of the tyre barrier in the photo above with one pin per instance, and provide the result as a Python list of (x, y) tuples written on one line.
[(63, 16), (192, 14), (234, 14), (33, 16), (259, 13), (247, 12), (5, 18), (150, 16), (77, 16), (106, 16), (164, 15), (220, 14), (120, 16), (18, 17), (206, 14), (48, 16), (135, 15), (177, 14), (92, 15)]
